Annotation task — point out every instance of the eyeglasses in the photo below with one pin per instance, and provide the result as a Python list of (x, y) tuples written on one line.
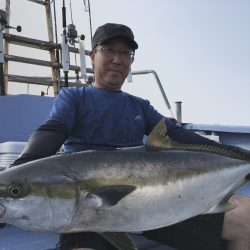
[(110, 52)]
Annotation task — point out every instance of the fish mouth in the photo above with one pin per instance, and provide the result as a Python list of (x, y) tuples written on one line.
[(2, 210)]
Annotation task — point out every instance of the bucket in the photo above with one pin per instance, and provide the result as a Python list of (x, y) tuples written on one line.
[(9, 151)]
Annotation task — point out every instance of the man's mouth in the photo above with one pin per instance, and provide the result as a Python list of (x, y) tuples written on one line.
[(115, 71)]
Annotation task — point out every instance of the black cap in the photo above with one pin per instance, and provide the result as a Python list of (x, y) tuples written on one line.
[(110, 30)]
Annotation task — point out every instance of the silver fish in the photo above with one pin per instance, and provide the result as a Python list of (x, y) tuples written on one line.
[(124, 190)]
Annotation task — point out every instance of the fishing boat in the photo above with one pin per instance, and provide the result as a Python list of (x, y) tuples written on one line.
[(21, 114)]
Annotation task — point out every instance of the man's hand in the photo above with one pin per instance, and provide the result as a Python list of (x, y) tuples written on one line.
[(172, 120)]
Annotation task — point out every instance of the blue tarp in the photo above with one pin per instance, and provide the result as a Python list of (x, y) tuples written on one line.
[(20, 115)]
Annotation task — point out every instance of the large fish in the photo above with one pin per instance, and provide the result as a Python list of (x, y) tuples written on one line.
[(124, 190)]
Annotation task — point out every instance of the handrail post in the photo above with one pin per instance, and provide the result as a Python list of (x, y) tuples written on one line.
[(141, 72)]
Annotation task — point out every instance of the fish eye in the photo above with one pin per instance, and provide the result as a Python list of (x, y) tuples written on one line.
[(15, 190)]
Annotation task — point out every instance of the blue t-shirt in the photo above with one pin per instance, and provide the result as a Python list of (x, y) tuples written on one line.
[(97, 117)]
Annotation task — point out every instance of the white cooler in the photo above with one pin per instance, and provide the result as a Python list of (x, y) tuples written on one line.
[(9, 151)]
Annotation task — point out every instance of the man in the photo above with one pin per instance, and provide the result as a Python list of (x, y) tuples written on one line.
[(102, 116)]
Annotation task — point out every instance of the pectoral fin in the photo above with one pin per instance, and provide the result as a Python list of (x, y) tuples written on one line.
[(122, 241), (222, 207), (111, 195)]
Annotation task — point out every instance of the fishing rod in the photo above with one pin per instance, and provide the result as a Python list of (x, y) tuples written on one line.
[(69, 37), (88, 9), (65, 47)]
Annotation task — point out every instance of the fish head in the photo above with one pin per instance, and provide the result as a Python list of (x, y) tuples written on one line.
[(35, 200)]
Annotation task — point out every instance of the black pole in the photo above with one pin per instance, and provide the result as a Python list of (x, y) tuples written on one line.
[(2, 80), (3, 23), (66, 79), (64, 23), (64, 15)]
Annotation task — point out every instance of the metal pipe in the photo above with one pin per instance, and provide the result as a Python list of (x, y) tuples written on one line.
[(45, 81), (37, 1), (37, 44), (42, 63), (178, 112), (141, 72)]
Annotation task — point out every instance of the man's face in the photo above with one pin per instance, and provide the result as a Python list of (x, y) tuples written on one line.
[(111, 61)]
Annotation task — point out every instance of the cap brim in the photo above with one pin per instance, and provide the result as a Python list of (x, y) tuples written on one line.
[(131, 43)]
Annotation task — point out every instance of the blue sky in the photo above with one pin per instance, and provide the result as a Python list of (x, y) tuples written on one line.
[(199, 48)]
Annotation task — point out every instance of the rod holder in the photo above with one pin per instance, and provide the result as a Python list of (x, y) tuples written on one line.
[(178, 112)]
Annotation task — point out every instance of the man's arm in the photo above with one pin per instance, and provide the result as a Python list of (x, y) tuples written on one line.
[(45, 141), (191, 140), (185, 136)]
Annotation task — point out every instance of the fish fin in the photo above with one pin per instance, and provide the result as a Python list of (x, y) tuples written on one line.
[(111, 195), (222, 207), (158, 139), (120, 240)]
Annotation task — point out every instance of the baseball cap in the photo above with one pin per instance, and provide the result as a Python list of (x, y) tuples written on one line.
[(110, 30)]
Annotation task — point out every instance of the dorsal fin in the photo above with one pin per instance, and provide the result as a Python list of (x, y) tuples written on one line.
[(158, 139)]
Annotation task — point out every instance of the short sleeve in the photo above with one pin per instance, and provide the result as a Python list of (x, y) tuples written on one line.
[(153, 116), (65, 107)]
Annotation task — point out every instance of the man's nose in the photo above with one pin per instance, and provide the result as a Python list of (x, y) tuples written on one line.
[(117, 57)]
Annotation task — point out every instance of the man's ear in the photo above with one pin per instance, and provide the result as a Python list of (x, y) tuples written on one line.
[(92, 56)]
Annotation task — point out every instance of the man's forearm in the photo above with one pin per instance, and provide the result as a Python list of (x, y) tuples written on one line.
[(45, 141), (189, 138)]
